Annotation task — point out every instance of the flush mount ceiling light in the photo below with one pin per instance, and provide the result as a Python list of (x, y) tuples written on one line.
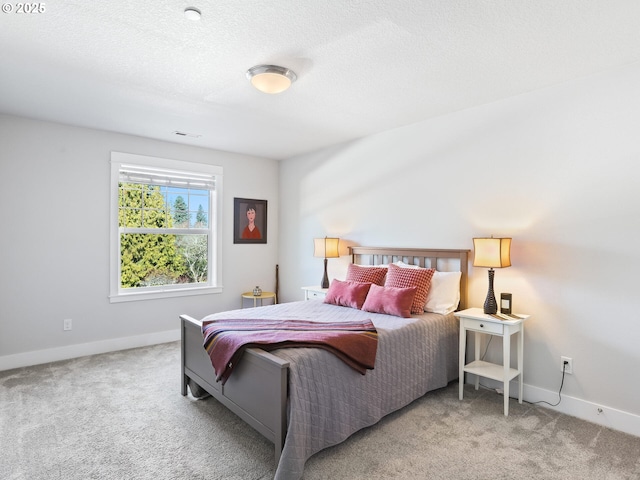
[(271, 78), (192, 13)]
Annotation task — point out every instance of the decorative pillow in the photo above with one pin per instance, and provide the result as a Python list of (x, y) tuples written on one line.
[(400, 277), (444, 294), (347, 294), (358, 273), (390, 300)]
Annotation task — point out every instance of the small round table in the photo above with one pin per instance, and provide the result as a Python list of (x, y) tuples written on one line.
[(256, 297)]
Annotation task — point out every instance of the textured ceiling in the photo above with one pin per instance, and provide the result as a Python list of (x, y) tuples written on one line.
[(363, 66)]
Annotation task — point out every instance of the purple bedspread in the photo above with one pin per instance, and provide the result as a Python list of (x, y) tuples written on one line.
[(225, 340)]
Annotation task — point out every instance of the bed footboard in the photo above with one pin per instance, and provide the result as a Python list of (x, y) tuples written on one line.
[(256, 392)]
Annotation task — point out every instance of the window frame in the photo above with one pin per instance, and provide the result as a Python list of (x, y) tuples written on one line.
[(214, 277)]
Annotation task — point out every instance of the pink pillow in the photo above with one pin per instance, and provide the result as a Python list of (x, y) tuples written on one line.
[(390, 300), (358, 273), (411, 277), (347, 294)]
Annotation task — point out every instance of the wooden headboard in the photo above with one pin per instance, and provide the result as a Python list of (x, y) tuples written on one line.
[(423, 257)]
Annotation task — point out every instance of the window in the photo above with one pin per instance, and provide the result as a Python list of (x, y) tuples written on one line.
[(165, 217)]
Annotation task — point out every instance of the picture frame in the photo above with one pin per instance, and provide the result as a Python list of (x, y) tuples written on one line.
[(243, 232)]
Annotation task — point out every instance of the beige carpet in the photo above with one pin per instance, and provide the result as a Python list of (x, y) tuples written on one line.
[(121, 416)]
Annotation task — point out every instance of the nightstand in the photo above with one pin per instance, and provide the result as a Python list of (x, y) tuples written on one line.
[(260, 297), (315, 292), (475, 320)]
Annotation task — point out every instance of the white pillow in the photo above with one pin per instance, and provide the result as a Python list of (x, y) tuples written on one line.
[(400, 263), (444, 294)]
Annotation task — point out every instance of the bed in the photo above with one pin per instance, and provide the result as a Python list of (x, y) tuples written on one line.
[(304, 399)]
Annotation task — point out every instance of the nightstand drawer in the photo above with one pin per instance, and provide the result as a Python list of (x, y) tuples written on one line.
[(317, 293), (312, 294), (483, 326)]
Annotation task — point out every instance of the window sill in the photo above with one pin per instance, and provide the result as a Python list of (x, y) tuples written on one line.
[(156, 294)]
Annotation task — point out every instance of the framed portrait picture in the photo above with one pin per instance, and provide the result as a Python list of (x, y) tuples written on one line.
[(249, 220)]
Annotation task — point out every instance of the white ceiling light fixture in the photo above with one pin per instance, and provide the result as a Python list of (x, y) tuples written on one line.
[(271, 78), (192, 13)]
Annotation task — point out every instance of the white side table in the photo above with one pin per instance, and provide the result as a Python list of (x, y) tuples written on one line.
[(315, 292), (475, 320)]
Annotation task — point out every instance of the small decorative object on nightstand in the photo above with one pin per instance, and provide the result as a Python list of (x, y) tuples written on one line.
[(475, 320), (314, 292), (505, 303), (257, 291)]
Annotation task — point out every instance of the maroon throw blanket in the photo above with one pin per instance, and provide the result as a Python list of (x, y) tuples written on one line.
[(355, 342)]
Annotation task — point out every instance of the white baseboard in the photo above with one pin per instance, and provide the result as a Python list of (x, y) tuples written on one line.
[(592, 412), (7, 362), (576, 407)]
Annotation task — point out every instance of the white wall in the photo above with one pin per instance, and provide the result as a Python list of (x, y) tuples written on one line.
[(54, 247), (557, 170)]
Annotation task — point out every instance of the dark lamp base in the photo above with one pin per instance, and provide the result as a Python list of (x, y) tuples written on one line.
[(325, 279), (490, 304)]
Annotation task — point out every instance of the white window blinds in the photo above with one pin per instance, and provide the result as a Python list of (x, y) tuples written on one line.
[(166, 177)]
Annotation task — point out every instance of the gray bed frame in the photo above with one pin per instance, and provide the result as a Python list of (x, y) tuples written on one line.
[(257, 390)]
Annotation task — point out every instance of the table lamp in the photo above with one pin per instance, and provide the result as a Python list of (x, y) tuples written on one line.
[(328, 248), (491, 253)]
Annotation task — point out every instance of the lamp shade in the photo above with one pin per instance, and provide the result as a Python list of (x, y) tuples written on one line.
[(326, 247), (492, 252)]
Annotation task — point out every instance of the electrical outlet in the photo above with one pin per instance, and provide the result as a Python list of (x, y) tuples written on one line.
[(66, 324), (566, 365)]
